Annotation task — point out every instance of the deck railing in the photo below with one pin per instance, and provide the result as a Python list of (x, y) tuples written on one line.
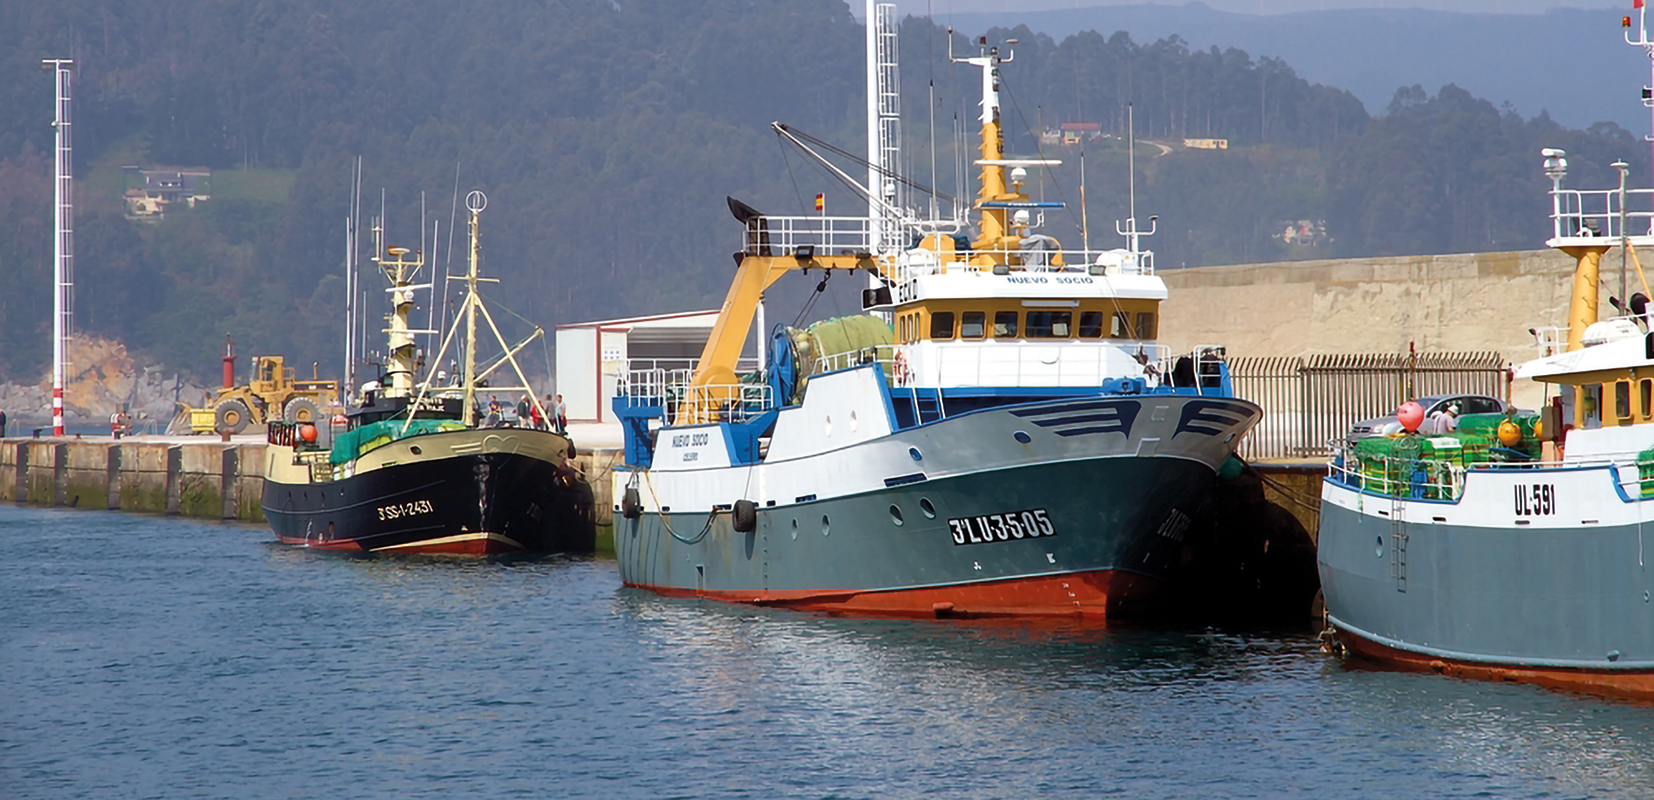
[(1407, 478), (1597, 213)]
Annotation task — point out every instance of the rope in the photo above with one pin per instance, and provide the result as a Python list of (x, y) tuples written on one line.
[(667, 522), (1286, 491), (781, 144)]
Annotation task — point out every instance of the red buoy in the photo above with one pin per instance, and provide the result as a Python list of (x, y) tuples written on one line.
[(307, 432), (1410, 415)]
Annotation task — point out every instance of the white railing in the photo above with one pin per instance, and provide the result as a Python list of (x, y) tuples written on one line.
[(883, 354), (1393, 477), (1577, 214), (1031, 263), (826, 235), (646, 381), (1202, 355), (1550, 340), (730, 402)]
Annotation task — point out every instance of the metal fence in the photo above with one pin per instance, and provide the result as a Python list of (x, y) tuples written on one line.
[(1310, 401)]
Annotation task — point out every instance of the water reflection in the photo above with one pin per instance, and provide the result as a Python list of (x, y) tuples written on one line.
[(1191, 710), (138, 650)]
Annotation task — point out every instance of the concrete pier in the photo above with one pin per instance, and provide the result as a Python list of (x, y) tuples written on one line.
[(185, 476)]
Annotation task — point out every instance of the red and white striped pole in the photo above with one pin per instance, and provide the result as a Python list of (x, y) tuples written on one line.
[(63, 205)]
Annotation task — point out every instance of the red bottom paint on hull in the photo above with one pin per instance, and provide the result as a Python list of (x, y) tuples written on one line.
[(480, 545), (1638, 685), (1089, 595)]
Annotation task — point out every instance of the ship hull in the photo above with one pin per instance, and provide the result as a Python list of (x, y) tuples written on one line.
[(1031, 511), (474, 504), (1486, 588)]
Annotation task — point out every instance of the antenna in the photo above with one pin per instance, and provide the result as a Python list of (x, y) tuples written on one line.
[(1085, 219), (1132, 233), (1131, 169), (63, 235)]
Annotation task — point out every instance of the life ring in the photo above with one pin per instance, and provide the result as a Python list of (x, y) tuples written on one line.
[(903, 373)]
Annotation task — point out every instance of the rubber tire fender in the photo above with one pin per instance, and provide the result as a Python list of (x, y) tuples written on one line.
[(745, 516), (631, 506)]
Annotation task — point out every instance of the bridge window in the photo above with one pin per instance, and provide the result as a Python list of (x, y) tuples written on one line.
[(1645, 392), (1005, 324), (941, 325), (1145, 325), (1049, 324), (1622, 400), (1091, 324), (1122, 326), (972, 324)]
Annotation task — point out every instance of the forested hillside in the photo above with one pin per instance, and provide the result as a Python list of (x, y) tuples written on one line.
[(607, 134)]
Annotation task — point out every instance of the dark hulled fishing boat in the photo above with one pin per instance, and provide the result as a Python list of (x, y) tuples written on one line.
[(414, 472)]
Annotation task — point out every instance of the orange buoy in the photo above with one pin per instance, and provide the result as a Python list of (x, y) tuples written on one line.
[(1410, 414), (307, 432), (1510, 434)]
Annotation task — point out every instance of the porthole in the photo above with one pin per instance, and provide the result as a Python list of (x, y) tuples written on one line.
[(853, 421), (826, 527), (1022, 436), (827, 430), (1380, 550), (896, 515), (414, 449), (914, 452), (795, 529), (925, 506)]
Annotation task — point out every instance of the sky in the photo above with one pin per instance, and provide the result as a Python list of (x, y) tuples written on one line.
[(941, 7)]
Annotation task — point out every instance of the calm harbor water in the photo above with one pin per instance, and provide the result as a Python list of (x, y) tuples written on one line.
[(149, 657)]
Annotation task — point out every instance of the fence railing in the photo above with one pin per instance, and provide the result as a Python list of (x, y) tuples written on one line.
[(1308, 402)]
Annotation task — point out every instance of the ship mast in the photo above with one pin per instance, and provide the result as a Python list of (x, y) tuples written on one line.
[(475, 202), (471, 307), (399, 373), (994, 199)]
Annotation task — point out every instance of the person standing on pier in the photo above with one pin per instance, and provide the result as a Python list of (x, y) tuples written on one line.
[(559, 415), (2, 423)]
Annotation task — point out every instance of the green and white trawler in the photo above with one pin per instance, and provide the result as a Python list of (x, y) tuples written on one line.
[(1001, 435), (1518, 549)]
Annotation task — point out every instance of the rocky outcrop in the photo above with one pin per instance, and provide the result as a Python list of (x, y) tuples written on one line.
[(103, 378)]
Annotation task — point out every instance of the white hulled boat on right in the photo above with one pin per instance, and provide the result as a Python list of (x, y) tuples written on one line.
[(1519, 547)]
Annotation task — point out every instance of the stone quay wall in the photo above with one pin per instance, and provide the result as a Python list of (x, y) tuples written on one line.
[(206, 480)]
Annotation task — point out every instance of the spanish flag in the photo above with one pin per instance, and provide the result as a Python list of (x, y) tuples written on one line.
[(821, 202)]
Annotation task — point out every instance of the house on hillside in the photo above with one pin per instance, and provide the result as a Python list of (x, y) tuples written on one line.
[(1076, 132), (149, 191)]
